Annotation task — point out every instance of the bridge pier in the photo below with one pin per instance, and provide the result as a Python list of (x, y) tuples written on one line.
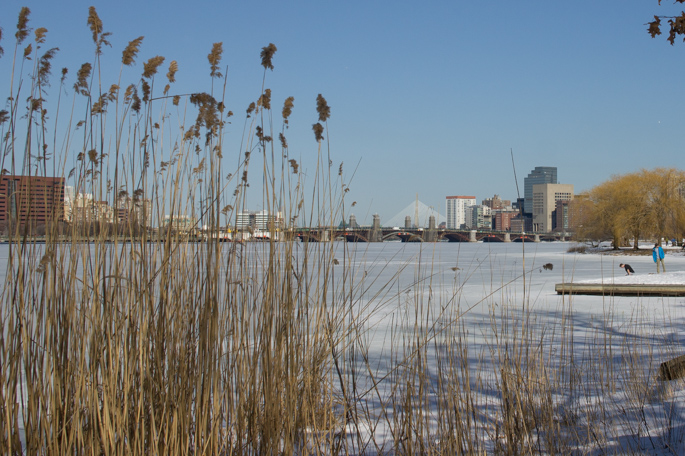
[(507, 237), (537, 238), (431, 235), (376, 234), (472, 236)]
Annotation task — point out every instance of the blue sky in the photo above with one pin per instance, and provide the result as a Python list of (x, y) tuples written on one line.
[(425, 97)]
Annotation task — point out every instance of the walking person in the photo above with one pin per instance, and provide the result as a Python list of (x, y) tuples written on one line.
[(658, 257), (627, 267)]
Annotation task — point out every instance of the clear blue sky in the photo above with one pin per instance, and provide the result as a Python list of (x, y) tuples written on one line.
[(425, 97)]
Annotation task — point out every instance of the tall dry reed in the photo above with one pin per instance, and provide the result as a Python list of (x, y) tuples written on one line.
[(118, 338)]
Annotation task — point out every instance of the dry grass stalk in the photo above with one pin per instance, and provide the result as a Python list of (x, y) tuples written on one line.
[(121, 339)]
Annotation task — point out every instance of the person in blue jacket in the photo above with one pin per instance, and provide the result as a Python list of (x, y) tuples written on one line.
[(658, 257)]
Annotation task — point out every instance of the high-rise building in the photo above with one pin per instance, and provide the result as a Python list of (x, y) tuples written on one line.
[(456, 210), (561, 219), (545, 199), (478, 217), (539, 175), (31, 199)]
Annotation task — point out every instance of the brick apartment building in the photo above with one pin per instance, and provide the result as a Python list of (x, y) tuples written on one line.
[(31, 200)]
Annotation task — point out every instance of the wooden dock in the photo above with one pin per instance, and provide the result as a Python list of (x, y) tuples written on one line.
[(617, 289)]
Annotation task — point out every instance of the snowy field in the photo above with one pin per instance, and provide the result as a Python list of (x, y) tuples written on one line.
[(465, 348), (584, 367)]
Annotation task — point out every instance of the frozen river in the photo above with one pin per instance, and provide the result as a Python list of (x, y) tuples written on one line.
[(460, 331)]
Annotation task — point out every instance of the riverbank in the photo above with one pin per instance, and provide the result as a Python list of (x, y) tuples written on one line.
[(644, 249)]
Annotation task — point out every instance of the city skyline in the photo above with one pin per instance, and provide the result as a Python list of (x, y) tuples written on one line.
[(427, 99)]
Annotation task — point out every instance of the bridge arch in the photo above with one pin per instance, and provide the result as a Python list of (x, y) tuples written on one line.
[(456, 236)]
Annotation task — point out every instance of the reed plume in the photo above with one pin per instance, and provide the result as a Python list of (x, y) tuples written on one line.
[(145, 87), (214, 58), (45, 65), (265, 99), (322, 108), (131, 51), (93, 156), (40, 35), (128, 93), (150, 67), (259, 133), (136, 101), (22, 25), (288, 109), (318, 131), (27, 51), (267, 55), (171, 74), (294, 165), (82, 75), (94, 23), (2, 51), (112, 93), (207, 109)]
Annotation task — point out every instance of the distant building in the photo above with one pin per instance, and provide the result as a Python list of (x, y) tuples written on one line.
[(496, 203), (545, 198), (31, 199), (134, 210), (263, 221), (560, 217), (456, 210), (478, 217), (181, 223), (517, 224), (539, 175), (82, 208), (501, 220)]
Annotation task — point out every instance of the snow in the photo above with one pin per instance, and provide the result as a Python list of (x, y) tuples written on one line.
[(667, 278), (604, 350), (469, 308)]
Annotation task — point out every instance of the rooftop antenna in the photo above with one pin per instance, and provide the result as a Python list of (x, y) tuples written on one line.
[(523, 236), (518, 194)]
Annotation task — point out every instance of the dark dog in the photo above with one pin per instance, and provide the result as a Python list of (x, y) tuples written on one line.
[(548, 266)]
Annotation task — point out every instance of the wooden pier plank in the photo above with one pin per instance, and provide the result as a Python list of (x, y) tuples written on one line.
[(616, 289)]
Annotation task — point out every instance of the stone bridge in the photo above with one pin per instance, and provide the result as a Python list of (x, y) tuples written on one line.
[(323, 234)]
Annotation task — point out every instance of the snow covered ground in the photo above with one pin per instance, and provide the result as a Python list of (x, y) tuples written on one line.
[(469, 342), (597, 357)]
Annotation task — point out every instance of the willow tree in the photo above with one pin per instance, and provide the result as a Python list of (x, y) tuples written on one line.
[(643, 205), (666, 192), (586, 221)]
